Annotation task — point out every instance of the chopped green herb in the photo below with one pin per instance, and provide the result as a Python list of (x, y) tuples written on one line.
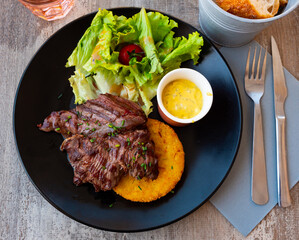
[(171, 167), (99, 124), (128, 165), (68, 132), (87, 124), (92, 140), (144, 148), (149, 164), (112, 134), (84, 119), (172, 191), (93, 129), (68, 118), (129, 142), (115, 128), (111, 205), (108, 134), (142, 143), (138, 143), (138, 177), (133, 158), (103, 167), (57, 129), (96, 121), (138, 155), (86, 128), (143, 165), (117, 145), (140, 188), (110, 125), (80, 124), (123, 123)]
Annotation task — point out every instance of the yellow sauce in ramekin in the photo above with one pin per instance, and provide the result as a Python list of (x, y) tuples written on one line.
[(182, 99)]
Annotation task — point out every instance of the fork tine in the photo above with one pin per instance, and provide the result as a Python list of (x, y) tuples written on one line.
[(258, 65), (253, 64), (264, 66), (247, 64)]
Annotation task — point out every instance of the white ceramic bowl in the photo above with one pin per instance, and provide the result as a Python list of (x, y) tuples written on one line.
[(229, 30), (201, 82)]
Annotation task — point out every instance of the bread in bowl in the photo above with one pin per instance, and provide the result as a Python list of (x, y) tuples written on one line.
[(251, 8)]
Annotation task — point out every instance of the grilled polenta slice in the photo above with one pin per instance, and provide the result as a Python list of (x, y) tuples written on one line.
[(250, 8), (171, 161)]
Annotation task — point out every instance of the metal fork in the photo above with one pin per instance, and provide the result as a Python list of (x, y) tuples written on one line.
[(254, 87)]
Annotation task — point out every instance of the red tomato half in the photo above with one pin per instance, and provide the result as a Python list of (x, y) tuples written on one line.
[(130, 51)]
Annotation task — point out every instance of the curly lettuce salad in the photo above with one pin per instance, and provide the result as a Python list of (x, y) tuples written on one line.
[(98, 70)]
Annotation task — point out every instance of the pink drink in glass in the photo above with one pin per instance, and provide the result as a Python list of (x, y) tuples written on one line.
[(49, 9)]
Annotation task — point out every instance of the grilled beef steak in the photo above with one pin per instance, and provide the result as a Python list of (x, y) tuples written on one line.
[(102, 161), (105, 138), (96, 118)]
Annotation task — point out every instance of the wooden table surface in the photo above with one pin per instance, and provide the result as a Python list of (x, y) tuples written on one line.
[(25, 214)]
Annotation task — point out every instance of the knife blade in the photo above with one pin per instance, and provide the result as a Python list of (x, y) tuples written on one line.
[(280, 95)]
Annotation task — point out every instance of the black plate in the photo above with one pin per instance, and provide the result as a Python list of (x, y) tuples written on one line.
[(210, 145)]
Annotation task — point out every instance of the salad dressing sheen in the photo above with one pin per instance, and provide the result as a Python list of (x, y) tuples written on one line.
[(182, 98)]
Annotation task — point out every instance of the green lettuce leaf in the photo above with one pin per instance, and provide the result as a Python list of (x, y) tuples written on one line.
[(160, 25), (83, 87), (165, 47), (146, 40), (108, 82), (186, 49), (89, 40), (101, 52), (125, 31)]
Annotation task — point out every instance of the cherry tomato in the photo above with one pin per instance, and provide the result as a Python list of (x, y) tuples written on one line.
[(130, 51)]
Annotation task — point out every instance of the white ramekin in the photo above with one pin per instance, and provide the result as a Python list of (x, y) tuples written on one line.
[(201, 82), (229, 30)]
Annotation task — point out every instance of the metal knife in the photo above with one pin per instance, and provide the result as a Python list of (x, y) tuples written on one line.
[(280, 94)]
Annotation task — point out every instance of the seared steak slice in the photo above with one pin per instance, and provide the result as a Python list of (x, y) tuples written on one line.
[(103, 161), (96, 118), (105, 138), (90, 163)]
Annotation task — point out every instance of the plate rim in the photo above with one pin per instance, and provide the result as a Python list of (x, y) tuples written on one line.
[(147, 228)]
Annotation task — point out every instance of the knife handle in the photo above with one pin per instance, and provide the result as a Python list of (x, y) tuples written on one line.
[(284, 198), (259, 186)]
